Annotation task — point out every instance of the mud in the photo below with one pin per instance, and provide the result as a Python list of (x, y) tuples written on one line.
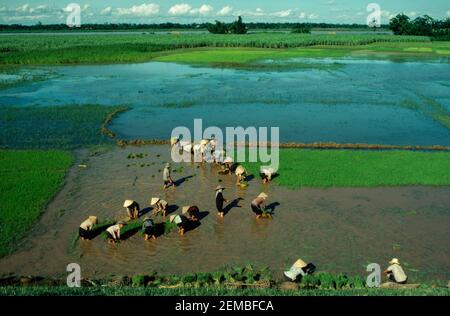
[(338, 229)]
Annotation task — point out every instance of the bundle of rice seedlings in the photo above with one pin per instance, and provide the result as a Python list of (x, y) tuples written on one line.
[(138, 280), (130, 228), (218, 277), (189, 278), (168, 227), (101, 226)]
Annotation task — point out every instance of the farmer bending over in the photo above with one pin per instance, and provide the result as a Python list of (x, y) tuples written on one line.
[(114, 232), (86, 227), (160, 206), (181, 222), (148, 228), (259, 206), (132, 208), (192, 212)]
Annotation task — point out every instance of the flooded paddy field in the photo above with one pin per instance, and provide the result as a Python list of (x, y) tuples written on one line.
[(343, 100), (339, 229)]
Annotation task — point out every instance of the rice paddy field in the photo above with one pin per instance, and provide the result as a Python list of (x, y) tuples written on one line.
[(69, 105)]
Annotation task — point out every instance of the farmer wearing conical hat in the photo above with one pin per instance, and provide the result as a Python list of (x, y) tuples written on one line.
[(148, 228), (241, 174), (266, 174), (114, 232), (132, 208), (160, 206), (395, 272), (192, 212), (86, 227), (299, 268), (220, 200), (168, 181), (181, 222), (259, 205)]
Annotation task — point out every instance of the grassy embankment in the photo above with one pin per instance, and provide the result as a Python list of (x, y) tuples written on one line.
[(236, 280), (72, 49), (359, 168), (29, 180), (145, 291)]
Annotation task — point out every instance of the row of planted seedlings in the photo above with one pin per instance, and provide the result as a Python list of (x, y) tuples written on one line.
[(247, 277)]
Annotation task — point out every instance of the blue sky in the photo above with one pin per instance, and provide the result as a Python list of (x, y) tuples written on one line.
[(188, 11)]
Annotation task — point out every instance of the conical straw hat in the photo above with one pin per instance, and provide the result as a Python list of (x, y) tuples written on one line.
[(172, 218), (240, 170), (228, 160), (185, 209), (128, 203), (263, 195), (299, 264), (93, 219), (153, 201)]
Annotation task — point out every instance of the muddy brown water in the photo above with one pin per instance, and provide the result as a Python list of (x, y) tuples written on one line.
[(338, 229)]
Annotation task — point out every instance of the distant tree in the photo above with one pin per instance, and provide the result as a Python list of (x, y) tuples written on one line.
[(400, 24), (238, 27), (422, 25), (301, 29), (218, 28)]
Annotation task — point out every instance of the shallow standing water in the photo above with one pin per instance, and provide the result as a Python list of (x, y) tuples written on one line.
[(362, 101), (340, 230)]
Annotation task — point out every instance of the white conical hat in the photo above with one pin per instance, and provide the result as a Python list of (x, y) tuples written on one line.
[(228, 160), (153, 201), (263, 195), (128, 203), (240, 170), (172, 218)]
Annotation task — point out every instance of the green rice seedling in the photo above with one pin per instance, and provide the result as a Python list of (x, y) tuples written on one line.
[(98, 228), (218, 277), (341, 281), (310, 281), (130, 228), (326, 280), (168, 227), (137, 280), (356, 282), (189, 278), (264, 274)]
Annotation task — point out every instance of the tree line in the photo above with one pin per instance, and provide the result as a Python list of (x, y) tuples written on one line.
[(424, 25)]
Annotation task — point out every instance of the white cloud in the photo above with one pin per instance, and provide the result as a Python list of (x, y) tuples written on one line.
[(106, 11), (203, 10), (145, 9), (412, 14), (448, 13), (180, 9), (313, 16), (283, 14), (227, 10), (302, 15)]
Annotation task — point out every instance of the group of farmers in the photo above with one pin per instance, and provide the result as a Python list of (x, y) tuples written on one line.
[(190, 214)]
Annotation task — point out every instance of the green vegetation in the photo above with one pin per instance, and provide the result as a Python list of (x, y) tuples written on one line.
[(55, 127), (359, 168), (237, 27), (425, 25), (146, 291), (73, 49), (29, 180)]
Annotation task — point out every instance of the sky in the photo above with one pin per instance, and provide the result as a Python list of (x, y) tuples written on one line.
[(190, 11)]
